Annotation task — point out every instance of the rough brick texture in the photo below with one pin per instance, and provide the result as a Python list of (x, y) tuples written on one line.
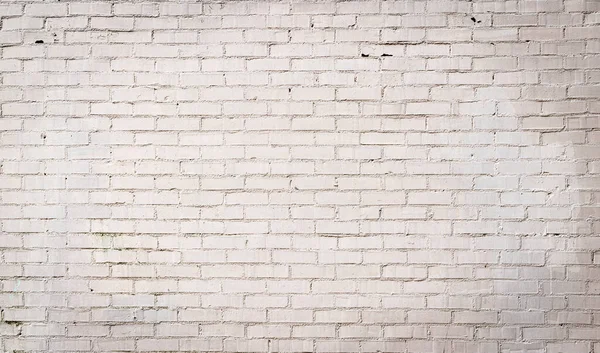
[(352, 176)]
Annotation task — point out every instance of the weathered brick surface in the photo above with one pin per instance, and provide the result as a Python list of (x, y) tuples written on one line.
[(333, 176)]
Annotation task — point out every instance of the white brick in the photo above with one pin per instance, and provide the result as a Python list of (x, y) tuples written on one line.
[(298, 176)]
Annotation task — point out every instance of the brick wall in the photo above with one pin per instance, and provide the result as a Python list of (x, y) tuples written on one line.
[(360, 176)]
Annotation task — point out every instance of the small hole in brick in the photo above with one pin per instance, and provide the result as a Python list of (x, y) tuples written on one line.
[(384, 54), (39, 41), (364, 55)]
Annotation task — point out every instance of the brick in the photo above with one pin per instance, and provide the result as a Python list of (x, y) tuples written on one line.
[(122, 24)]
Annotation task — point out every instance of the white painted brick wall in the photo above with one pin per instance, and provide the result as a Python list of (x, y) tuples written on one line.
[(353, 176)]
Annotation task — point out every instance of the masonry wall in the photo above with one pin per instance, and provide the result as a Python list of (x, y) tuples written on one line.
[(361, 176)]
